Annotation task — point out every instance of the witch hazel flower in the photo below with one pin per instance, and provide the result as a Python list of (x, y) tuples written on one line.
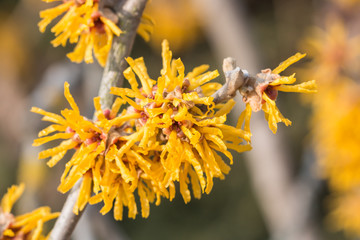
[(91, 28), (260, 92), (179, 121), (107, 176), (28, 226)]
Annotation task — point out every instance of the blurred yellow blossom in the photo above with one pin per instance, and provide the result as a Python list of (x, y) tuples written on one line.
[(333, 50), (27, 226), (345, 213), (83, 23), (178, 121), (176, 21), (337, 139), (336, 60)]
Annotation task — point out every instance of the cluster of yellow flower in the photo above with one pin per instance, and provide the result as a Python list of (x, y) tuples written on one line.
[(166, 132), (171, 132), (162, 138), (26, 226), (336, 111), (85, 24)]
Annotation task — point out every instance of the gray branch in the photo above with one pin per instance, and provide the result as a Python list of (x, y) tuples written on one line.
[(67, 220), (235, 79), (129, 13)]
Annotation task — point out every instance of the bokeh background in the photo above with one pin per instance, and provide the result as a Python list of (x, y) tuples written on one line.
[(280, 190)]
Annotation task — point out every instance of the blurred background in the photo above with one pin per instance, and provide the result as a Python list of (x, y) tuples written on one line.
[(300, 184)]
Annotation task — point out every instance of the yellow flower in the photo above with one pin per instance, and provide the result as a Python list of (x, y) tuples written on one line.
[(104, 172), (266, 91), (84, 24), (26, 226), (178, 122)]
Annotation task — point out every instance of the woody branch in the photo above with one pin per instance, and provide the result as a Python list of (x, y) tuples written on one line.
[(250, 87), (129, 14)]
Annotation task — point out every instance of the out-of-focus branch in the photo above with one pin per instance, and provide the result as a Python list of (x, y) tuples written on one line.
[(285, 200), (129, 13)]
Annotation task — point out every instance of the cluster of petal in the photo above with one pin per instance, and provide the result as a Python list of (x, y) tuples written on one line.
[(171, 132), (179, 123), (28, 226), (84, 24), (106, 174), (267, 86)]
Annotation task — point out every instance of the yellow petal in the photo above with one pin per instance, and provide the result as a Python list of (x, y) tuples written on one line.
[(70, 98), (52, 117), (139, 68), (272, 114), (305, 87), (12, 195), (288, 62), (226, 108), (284, 80), (50, 129), (84, 194), (114, 28), (40, 141), (197, 71), (144, 201), (244, 118), (8, 233)]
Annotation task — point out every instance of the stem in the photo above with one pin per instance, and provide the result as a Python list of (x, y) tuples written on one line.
[(250, 87), (67, 220), (129, 17), (129, 14), (235, 78)]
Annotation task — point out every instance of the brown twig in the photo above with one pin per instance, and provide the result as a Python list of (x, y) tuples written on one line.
[(235, 78), (129, 13), (250, 87)]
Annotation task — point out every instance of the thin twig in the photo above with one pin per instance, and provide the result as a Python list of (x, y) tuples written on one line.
[(234, 77), (129, 14), (250, 87)]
